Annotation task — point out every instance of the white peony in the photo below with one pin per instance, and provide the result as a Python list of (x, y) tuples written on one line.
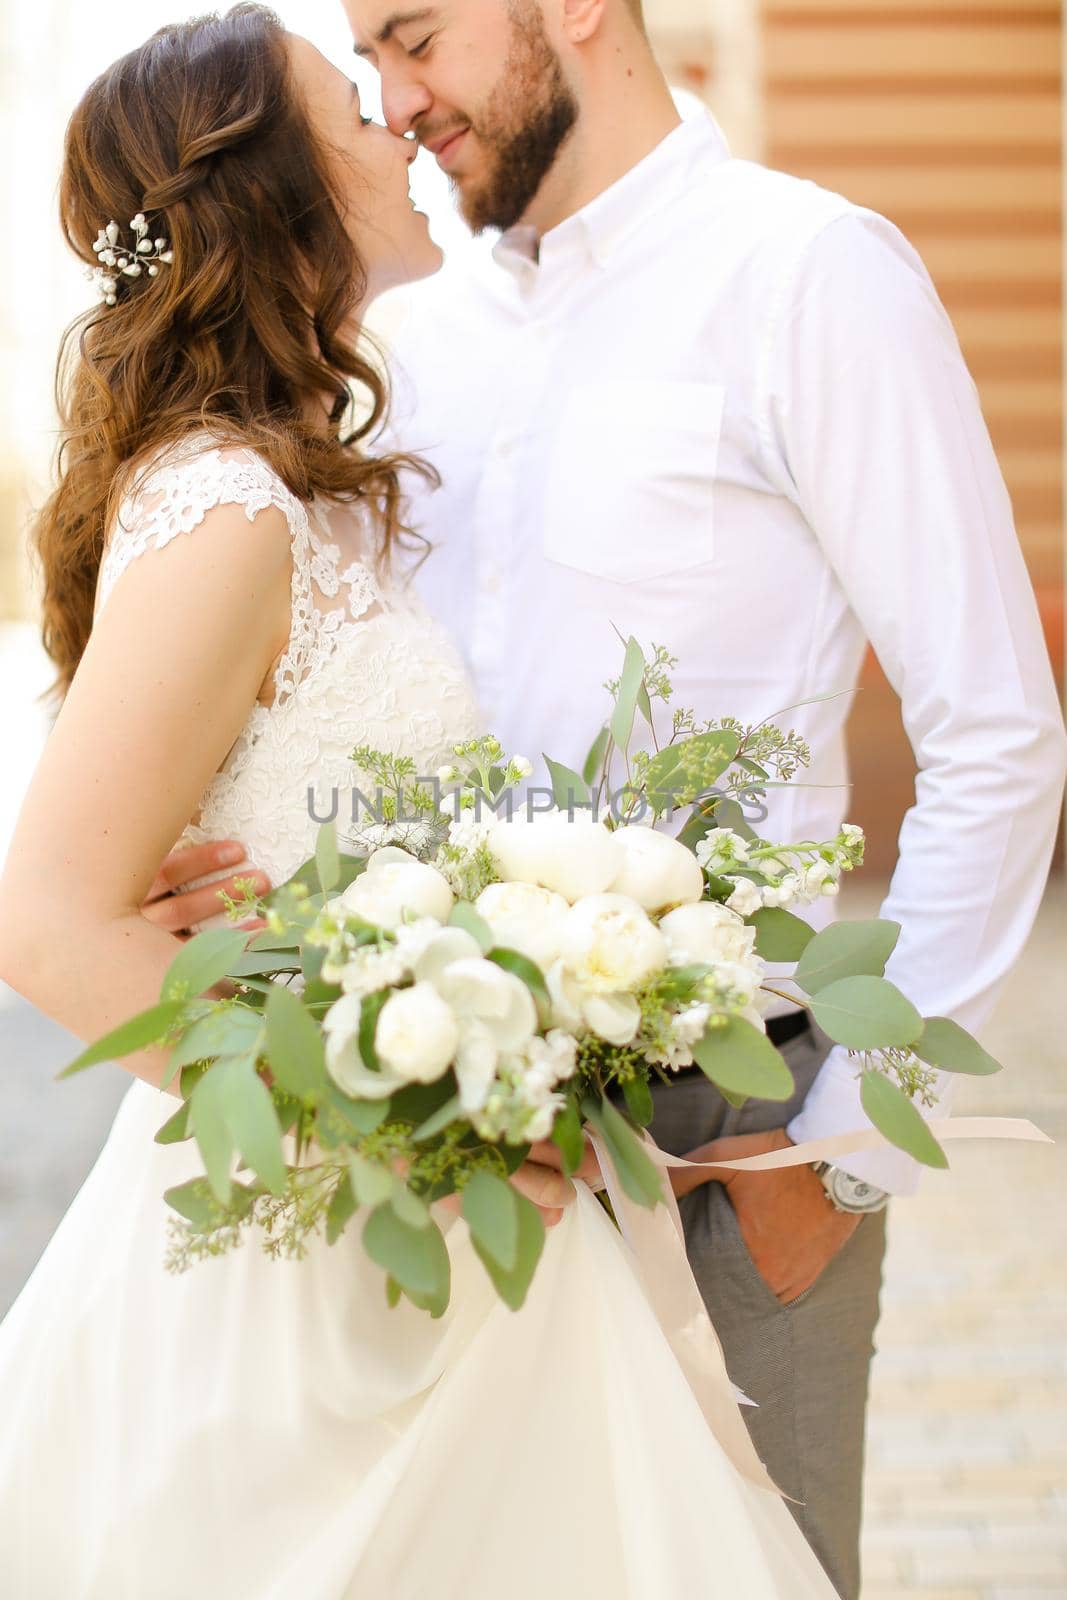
[(525, 917), (610, 946), (706, 933), (395, 888), (495, 1014), (656, 870), (417, 1034), (574, 856), (610, 943)]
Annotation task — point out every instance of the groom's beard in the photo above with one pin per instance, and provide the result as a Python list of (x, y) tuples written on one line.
[(529, 114)]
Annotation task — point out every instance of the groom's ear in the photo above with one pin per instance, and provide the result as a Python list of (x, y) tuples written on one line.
[(582, 19)]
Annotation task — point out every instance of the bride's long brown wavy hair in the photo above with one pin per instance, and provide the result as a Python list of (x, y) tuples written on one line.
[(202, 130)]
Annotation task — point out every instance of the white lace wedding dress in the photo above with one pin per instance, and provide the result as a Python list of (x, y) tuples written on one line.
[(258, 1430)]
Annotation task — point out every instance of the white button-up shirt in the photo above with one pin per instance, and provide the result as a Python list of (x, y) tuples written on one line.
[(724, 410)]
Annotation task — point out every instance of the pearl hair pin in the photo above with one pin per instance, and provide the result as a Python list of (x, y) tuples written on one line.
[(115, 258)]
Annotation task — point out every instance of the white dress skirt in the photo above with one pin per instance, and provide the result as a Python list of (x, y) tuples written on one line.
[(270, 1430)]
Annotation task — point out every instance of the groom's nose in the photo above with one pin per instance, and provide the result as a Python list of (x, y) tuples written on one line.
[(403, 100)]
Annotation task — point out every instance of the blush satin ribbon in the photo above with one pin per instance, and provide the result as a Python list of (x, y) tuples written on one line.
[(658, 1243)]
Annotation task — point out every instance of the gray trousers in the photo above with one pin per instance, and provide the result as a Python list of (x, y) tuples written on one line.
[(805, 1363)]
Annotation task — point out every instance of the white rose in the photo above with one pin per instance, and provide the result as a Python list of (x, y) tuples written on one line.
[(395, 888), (495, 1013), (417, 1034), (706, 933), (656, 870), (574, 856), (746, 897), (614, 1017), (525, 917), (343, 1061)]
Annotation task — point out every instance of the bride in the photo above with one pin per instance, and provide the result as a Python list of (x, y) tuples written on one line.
[(225, 605)]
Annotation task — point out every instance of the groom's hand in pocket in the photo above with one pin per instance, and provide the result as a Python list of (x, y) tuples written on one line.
[(177, 909), (790, 1228)]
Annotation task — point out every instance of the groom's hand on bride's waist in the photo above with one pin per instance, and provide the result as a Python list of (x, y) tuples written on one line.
[(171, 905), (790, 1228)]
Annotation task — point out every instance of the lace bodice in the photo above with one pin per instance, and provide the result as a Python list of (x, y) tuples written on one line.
[(364, 664)]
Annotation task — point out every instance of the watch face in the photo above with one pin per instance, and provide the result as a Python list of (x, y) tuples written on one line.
[(855, 1194)]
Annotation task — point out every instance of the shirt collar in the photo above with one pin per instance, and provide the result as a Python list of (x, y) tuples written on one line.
[(601, 226)]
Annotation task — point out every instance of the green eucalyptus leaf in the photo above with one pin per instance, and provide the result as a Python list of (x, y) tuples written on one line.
[(339, 1212), (294, 1046), (146, 1028), (568, 1137), (341, 1120), (595, 759), (683, 770), (569, 788), (464, 916), (265, 963), (208, 1120), (512, 1284), (891, 1111), (327, 860), (739, 1057), (943, 1043), (393, 1291), (638, 1097), (442, 1118), (266, 940), (230, 1030), (633, 672), (490, 1210), (416, 1257), (866, 1014), (780, 936), (368, 1027), (703, 818), (846, 950), (370, 1183), (197, 1203), (515, 962), (253, 1124), (202, 961), (637, 1172), (415, 1102), (409, 1207), (176, 1128)]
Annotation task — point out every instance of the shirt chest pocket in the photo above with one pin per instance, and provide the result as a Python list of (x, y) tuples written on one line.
[(631, 480)]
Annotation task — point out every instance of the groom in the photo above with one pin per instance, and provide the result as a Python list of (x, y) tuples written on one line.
[(723, 410)]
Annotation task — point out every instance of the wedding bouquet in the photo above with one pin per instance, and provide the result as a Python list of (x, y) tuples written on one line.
[(492, 967)]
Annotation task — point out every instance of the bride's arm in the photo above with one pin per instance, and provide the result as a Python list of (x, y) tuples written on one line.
[(175, 662)]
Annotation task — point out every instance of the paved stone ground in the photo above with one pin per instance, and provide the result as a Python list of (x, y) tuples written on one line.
[(967, 1443), (967, 1465)]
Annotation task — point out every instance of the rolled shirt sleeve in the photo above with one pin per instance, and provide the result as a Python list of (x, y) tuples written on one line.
[(872, 425)]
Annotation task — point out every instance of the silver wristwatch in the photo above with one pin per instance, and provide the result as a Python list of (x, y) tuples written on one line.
[(847, 1193)]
